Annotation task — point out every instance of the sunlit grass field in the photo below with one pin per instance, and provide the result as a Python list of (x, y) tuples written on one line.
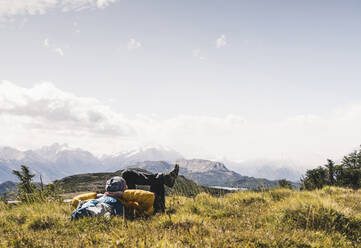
[(330, 217)]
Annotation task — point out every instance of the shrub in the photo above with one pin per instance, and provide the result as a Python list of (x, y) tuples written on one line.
[(42, 223), (324, 219)]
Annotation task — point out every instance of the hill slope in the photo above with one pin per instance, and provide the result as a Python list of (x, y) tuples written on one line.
[(7, 187), (96, 182), (278, 218)]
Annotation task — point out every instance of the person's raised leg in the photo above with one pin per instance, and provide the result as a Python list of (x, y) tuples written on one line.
[(156, 182), (134, 177), (169, 178), (157, 187)]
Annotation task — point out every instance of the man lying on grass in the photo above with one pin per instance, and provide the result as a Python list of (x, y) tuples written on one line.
[(120, 191)]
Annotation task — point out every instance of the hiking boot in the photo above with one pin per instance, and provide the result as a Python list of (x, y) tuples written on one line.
[(169, 178)]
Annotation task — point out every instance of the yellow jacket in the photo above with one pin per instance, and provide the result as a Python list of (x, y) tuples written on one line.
[(140, 200)]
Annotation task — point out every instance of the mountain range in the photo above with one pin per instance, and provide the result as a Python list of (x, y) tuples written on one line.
[(52, 162), (58, 161), (204, 172), (265, 168), (208, 173)]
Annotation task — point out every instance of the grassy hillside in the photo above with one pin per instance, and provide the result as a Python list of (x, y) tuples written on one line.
[(278, 218), (96, 182)]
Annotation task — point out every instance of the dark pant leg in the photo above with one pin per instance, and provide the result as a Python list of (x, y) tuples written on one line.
[(156, 182), (133, 177), (157, 187)]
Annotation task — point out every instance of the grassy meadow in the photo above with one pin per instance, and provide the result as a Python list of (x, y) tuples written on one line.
[(330, 217)]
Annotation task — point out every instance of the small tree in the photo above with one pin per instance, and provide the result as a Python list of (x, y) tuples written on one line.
[(25, 185), (283, 183), (348, 177), (331, 171), (348, 173), (29, 193), (315, 179)]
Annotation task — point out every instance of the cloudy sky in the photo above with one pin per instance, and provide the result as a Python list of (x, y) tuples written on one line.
[(239, 80)]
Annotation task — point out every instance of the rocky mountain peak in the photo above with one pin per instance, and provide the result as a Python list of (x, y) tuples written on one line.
[(201, 165), (8, 153), (157, 153)]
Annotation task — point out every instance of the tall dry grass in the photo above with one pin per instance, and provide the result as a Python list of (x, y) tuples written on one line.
[(330, 217)]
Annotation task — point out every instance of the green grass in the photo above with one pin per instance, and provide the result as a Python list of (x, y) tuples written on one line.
[(330, 217)]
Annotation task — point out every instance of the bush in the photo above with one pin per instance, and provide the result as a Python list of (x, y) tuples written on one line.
[(42, 223), (324, 219), (346, 174)]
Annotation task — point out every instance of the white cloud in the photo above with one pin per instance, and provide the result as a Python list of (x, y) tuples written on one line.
[(104, 3), (44, 114), (221, 41), (46, 42), (10, 8), (59, 51), (44, 107), (22, 7), (133, 44), (76, 28), (197, 54)]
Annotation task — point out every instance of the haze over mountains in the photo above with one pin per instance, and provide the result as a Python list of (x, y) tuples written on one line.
[(270, 169), (57, 161), (126, 158), (204, 172)]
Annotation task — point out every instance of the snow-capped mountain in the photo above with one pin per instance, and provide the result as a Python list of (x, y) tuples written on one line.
[(126, 158), (60, 160), (154, 166), (51, 153), (206, 172), (51, 162), (9, 153), (201, 165)]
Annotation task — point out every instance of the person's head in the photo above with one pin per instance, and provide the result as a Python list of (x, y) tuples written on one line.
[(115, 184)]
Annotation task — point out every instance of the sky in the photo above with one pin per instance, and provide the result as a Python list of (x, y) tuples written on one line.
[(237, 80)]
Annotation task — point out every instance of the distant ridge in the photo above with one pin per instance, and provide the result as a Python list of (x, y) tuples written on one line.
[(126, 158), (208, 173), (7, 187), (52, 162), (60, 160)]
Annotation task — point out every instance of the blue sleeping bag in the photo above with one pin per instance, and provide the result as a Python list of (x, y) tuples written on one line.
[(98, 207)]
